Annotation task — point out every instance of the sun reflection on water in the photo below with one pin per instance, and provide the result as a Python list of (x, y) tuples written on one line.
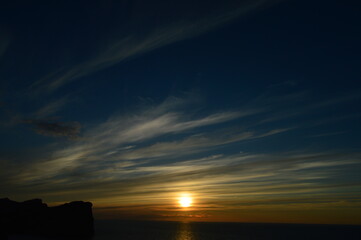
[(184, 232)]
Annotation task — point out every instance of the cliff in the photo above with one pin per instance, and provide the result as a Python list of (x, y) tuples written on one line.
[(33, 217)]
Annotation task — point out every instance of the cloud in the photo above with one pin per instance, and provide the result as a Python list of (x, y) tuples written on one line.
[(194, 144), (70, 130), (138, 36), (150, 155), (300, 107), (219, 178), (51, 107), (109, 142), (328, 134)]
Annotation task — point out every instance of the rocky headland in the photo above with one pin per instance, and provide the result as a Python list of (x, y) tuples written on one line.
[(33, 217)]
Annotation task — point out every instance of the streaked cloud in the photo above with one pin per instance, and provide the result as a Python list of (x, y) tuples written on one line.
[(143, 159), (297, 99), (161, 150), (51, 107), (118, 133), (131, 43), (219, 178)]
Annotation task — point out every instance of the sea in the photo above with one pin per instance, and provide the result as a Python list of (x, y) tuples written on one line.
[(157, 230)]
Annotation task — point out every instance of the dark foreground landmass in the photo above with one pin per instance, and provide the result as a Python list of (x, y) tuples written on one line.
[(33, 217)]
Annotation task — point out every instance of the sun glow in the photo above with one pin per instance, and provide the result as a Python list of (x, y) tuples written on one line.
[(185, 201)]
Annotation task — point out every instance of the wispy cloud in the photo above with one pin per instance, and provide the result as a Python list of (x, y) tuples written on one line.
[(327, 134), (297, 105), (51, 107), (129, 147), (151, 155), (194, 144), (134, 43), (118, 133), (252, 179)]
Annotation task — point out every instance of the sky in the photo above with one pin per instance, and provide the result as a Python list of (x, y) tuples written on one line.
[(250, 108)]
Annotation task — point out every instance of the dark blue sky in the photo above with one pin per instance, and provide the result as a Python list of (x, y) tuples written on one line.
[(102, 95)]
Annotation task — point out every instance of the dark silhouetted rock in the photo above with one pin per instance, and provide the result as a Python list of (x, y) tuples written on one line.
[(34, 217)]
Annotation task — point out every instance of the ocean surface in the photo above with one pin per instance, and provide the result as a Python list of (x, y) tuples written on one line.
[(138, 230)]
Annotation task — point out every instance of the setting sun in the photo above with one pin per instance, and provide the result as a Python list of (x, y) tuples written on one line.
[(185, 201)]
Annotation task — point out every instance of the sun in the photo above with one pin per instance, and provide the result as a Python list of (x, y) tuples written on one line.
[(185, 201)]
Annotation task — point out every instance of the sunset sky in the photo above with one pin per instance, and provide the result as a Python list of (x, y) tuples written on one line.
[(250, 108)]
